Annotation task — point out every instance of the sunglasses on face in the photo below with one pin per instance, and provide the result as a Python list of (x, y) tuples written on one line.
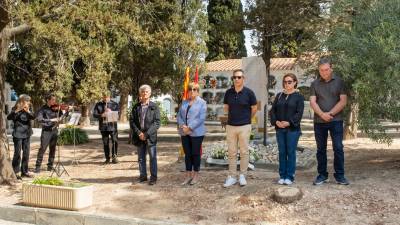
[(192, 89), (237, 77), (288, 81)]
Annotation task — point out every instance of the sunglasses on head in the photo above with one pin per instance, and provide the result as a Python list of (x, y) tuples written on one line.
[(288, 81), (237, 77)]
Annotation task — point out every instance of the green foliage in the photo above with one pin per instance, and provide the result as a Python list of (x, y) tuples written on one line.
[(226, 37), (69, 133), (282, 28), (365, 48), (163, 114), (55, 181), (48, 181)]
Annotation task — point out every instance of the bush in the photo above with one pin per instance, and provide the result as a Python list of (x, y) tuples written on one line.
[(58, 182), (163, 113), (66, 136)]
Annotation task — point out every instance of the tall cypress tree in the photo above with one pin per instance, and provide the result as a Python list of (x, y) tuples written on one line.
[(226, 37)]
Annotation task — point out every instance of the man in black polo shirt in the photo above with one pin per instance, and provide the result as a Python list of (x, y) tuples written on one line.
[(241, 105), (328, 98)]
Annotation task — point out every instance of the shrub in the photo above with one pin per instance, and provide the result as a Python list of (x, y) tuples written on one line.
[(58, 182), (68, 134)]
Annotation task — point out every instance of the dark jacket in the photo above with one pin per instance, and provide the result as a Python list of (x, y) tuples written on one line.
[(288, 108), (151, 124), (45, 114), (22, 123), (99, 109)]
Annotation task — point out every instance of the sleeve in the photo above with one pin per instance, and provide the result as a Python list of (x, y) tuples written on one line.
[(253, 99), (312, 89), (179, 119), (272, 112), (12, 115), (296, 118), (41, 119), (342, 88), (132, 120), (96, 112), (199, 118), (156, 123)]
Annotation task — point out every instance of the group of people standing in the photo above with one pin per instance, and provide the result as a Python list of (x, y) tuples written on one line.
[(328, 98)]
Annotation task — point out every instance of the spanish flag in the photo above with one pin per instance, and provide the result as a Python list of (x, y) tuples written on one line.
[(186, 84)]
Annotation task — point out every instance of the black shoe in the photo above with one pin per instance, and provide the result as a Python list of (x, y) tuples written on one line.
[(37, 170), (152, 182), (28, 175), (142, 179), (19, 177), (50, 168), (320, 179), (342, 181), (115, 160), (107, 161)]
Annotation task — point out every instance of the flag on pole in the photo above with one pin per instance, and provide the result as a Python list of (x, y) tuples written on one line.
[(186, 84)]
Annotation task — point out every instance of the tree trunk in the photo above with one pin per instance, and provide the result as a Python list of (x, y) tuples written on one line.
[(7, 175), (123, 105), (85, 119), (350, 131)]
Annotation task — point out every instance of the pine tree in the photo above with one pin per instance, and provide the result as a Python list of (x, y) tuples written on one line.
[(226, 37)]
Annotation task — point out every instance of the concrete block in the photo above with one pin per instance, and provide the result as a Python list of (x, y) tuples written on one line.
[(58, 217), (17, 213)]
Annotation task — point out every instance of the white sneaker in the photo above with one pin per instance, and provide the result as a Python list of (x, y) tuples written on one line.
[(242, 180), (230, 181), (288, 182), (281, 181)]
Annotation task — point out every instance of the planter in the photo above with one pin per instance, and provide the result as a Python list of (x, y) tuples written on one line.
[(59, 197)]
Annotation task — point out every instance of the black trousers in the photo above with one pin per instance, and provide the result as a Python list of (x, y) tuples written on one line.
[(192, 148), (21, 144), (105, 135), (48, 138)]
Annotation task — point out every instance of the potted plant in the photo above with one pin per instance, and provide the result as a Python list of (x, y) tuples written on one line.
[(52, 192)]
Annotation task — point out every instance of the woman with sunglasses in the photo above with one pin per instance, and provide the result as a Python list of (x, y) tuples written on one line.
[(286, 113), (191, 118)]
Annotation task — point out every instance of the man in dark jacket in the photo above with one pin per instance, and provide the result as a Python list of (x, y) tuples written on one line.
[(103, 111), (144, 122), (49, 116)]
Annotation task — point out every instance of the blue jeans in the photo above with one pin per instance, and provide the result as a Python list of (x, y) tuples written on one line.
[(335, 129), (287, 145), (142, 152)]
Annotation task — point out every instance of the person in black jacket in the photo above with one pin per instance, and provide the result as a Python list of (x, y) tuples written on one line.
[(286, 113), (49, 116), (21, 115), (144, 122), (107, 128)]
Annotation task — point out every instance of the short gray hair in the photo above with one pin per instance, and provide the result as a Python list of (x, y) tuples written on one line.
[(324, 60), (144, 87)]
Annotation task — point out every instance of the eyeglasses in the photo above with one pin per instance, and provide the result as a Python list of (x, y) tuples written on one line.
[(288, 81), (237, 77), (193, 89)]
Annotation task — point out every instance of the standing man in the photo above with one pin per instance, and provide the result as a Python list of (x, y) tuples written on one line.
[(145, 121), (107, 128), (241, 105), (327, 99), (49, 116)]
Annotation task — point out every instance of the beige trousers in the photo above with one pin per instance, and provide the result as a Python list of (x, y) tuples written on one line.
[(238, 136)]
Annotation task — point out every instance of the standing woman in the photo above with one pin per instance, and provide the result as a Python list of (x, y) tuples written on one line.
[(286, 113), (21, 115), (191, 118)]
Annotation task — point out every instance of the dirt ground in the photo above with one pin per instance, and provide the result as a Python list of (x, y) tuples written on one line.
[(372, 198)]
